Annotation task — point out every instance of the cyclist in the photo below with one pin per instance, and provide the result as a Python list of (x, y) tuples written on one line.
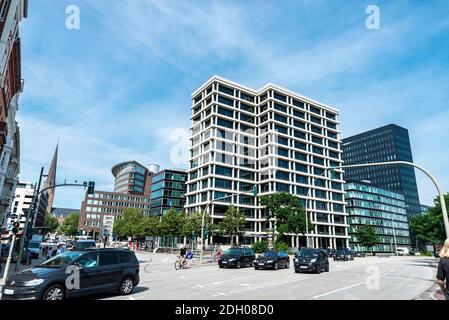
[(182, 254)]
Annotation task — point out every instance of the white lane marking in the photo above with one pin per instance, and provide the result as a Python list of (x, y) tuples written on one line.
[(220, 294), (197, 286), (349, 287), (163, 261), (273, 284), (232, 279)]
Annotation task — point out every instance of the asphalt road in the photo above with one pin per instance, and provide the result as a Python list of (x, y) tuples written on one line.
[(371, 278)]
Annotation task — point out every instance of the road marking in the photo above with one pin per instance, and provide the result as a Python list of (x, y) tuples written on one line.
[(221, 281), (220, 294), (163, 261), (131, 298), (349, 287), (273, 284), (197, 286)]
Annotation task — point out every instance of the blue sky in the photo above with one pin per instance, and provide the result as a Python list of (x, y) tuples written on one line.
[(119, 87)]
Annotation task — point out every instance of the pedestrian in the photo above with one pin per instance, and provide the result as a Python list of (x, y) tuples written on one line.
[(443, 269)]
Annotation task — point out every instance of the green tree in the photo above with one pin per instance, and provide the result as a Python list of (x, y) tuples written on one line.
[(70, 225), (430, 226), (233, 224), (51, 224), (366, 235), (260, 246), (281, 246), (173, 224), (193, 223), (288, 213), (130, 224)]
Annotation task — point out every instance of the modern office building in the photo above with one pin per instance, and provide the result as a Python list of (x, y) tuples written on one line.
[(388, 143), (132, 188), (379, 207), (168, 191), (131, 178), (275, 139), (22, 200), (11, 86), (101, 203)]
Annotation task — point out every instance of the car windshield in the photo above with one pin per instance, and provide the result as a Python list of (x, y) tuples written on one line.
[(234, 252), (60, 260), (268, 254), (33, 245), (308, 253)]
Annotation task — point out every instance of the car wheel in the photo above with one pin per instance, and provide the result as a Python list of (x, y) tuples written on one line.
[(256, 268), (297, 271), (238, 265), (221, 267), (127, 286), (54, 292), (276, 266)]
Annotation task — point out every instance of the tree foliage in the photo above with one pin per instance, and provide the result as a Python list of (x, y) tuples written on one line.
[(51, 224), (194, 221), (70, 225), (260, 246), (366, 235), (133, 223), (233, 223), (430, 226), (288, 213)]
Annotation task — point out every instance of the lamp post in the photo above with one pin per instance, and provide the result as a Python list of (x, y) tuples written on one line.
[(440, 193), (254, 193)]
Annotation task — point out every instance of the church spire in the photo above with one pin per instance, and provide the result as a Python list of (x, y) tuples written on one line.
[(51, 178)]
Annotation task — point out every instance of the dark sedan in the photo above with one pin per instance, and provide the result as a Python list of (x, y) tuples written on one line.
[(237, 257), (75, 273), (310, 259), (272, 259), (343, 255)]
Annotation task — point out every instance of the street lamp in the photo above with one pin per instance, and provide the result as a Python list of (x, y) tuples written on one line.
[(253, 193), (440, 193)]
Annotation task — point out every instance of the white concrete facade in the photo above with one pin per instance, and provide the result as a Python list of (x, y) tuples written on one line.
[(275, 139)]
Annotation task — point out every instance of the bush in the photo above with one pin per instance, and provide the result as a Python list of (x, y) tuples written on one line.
[(281, 246), (426, 253), (260, 246)]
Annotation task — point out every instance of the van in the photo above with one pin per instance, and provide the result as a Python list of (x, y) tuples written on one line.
[(402, 251)]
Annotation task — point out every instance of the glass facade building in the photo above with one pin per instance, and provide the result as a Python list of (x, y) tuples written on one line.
[(275, 139), (384, 209), (388, 143), (168, 191), (130, 177)]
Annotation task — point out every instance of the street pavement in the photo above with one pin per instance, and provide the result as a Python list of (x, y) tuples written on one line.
[(370, 278)]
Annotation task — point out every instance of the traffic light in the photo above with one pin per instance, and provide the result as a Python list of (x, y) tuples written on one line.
[(206, 233), (15, 227), (91, 187)]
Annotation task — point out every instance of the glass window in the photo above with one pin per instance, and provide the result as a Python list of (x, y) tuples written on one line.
[(89, 260), (108, 258)]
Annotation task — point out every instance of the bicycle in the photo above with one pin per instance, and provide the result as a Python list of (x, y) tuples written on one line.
[(180, 263)]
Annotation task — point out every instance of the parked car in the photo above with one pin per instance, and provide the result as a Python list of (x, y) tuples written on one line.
[(310, 259), (344, 255), (100, 270), (81, 245), (360, 254), (272, 259), (237, 257), (331, 252), (402, 251)]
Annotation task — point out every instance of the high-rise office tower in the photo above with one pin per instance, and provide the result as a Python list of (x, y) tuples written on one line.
[(388, 143), (275, 139)]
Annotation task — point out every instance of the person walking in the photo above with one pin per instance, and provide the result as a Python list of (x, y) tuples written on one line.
[(443, 269)]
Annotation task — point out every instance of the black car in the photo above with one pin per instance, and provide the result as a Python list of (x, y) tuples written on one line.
[(272, 259), (310, 259), (360, 254), (343, 255), (100, 270), (237, 257), (331, 252)]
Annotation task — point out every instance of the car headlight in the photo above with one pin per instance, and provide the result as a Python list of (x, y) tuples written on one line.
[(313, 260), (34, 282), (296, 260), (270, 261)]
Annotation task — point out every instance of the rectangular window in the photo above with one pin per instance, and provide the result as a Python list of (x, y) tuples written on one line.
[(302, 191), (281, 175), (280, 96), (247, 175), (224, 123), (300, 156), (302, 179), (280, 118), (300, 135), (225, 112), (317, 150), (283, 152), (300, 145), (246, 118), (299, 114), (223, 184), (246, 107), (246, 97), (315, 120), (299, 124), (282, 164), (223, 171), (282, 187), (298, 104), (315, 110), (226, 90), (282, 140), (280, 129), (226, 101), (300, 167), (280, 107)]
